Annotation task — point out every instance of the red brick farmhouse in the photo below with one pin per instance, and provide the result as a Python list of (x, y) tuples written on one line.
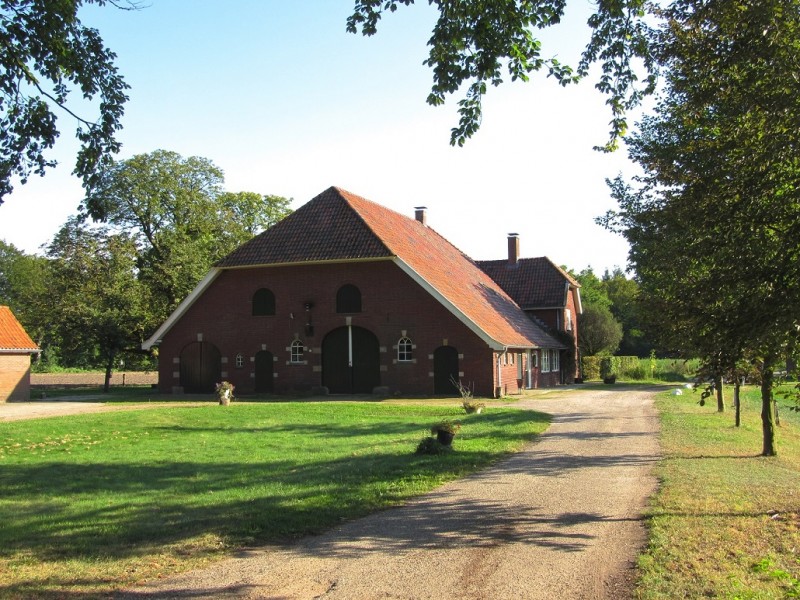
[(346, 296), (16, 348)]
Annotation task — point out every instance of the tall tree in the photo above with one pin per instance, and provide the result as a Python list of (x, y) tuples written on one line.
[(45, 54), (23, 287), (99, 307), (474, 41), (179, 217), (714, 222), (598, 331)]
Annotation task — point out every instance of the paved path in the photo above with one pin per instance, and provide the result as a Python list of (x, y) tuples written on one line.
[(559, 520)]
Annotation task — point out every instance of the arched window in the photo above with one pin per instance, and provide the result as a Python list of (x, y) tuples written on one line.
[(263, 303), (297, 350), (348, 299), (404, 350)]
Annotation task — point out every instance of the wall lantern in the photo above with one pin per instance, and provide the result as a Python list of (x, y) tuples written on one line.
[(309, 323)]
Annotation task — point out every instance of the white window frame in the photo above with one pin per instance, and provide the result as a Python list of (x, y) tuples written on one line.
[(545, 361), (568, 319), (405, 350), (239, 361), (555, 362), (296, 352)]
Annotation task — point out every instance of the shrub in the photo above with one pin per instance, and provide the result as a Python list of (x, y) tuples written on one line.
[(430, 445)]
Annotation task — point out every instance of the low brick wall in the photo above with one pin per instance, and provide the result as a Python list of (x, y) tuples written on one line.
[(50, 380)]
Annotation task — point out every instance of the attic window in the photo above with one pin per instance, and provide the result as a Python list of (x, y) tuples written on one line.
[(348, 299), (263, 303)]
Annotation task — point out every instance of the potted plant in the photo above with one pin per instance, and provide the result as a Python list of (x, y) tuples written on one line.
[(445, 430), (470, 406), (608, 369), (225, 392)]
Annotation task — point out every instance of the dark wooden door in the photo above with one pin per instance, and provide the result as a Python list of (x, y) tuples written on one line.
[(445, 370), (264, 369), (201, 367), (339, 374)]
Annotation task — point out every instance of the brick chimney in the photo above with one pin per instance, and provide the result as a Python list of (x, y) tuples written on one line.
[(420, 214), (513, 248)]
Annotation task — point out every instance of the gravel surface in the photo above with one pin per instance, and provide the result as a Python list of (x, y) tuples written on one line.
[(561, 519)]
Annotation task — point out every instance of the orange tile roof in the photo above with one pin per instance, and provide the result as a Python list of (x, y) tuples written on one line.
[(338, 225), (12, 335)]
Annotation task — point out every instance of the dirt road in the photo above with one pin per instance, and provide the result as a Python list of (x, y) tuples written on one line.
[(561, 519)]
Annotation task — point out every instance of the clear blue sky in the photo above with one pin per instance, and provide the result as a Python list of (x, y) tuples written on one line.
[(286, 102)]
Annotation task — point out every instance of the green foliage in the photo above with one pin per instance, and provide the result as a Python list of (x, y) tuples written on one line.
[(45, 55), (633, 368), (713, 220), (473, 42), (598, 331), (98, 306), (180, 218), (176, 483)]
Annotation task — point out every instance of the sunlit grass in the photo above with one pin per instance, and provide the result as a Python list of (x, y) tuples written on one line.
[(91, 503), (726, 521)]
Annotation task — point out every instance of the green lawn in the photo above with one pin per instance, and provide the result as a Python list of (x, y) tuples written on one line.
[(91, 503), (726, 522)]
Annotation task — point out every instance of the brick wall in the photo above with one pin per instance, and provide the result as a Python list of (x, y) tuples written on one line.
[(15, 377), (392, 305)]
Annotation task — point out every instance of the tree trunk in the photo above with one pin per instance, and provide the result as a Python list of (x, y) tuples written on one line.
[(737, 403), (720, 395), (109, 368), (767, 415)]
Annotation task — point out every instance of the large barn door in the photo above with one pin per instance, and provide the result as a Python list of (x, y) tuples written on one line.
[(201, 367), (264, 367), (445, 370), (350, 361)]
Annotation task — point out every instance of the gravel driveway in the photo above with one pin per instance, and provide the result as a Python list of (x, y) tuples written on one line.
[(561, 519)]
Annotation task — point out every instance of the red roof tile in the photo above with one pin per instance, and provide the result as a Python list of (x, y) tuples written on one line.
[(12, 335), (338, 225)]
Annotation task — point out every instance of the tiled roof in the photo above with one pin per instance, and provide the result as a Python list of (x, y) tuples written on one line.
[(12, 335), (323, 229), (338, 225), (531, 282)]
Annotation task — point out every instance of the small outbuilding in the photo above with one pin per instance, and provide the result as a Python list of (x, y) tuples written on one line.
[(16, 348)]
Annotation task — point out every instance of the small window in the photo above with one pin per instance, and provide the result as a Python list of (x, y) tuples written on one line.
[(404, 350), (511, 358), (535, 360), (545, 361), (239, 361), (297, 350), (568, 319), (348, 299), (555, 364), (263, 303)]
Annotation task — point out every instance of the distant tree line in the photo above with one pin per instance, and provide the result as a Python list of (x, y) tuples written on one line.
[(101, 289)]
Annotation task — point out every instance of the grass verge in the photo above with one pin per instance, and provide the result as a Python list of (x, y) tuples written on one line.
[(726, 521), (93, 503)]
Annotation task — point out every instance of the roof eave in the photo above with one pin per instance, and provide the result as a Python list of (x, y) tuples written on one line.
[(156, 338)]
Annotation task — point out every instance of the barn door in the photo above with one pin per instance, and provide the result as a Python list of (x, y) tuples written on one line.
[(445, 370), (201, 367), (350, 361), (264, 368)]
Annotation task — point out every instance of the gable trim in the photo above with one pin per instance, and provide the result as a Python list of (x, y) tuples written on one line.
[(471, 325), (156, 338), (303, 263)]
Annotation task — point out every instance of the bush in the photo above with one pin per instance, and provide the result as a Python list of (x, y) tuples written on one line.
[(430, 445)]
